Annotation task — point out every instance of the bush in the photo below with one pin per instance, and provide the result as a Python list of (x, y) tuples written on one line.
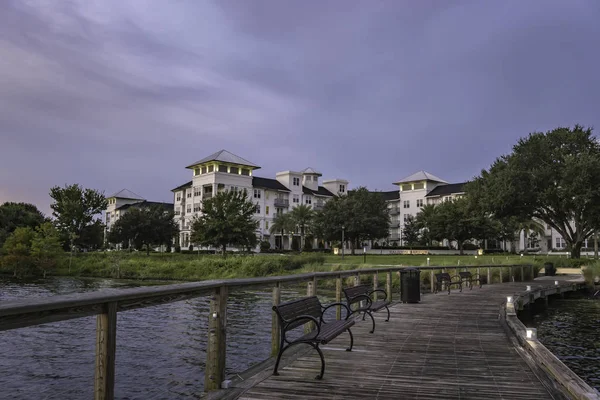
[(307, 245), (265, 246), (177, 249), (470, 246), (295, 244)]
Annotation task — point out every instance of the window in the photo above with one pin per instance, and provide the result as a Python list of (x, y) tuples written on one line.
[(178, 196), (196, 171), (342, 188), (296, 181), (419, 185), (266, 224), (419, 202), (406, 187), (257, 193), (406, 203), (189, 194), (308, 200), (197, 191), (257, 210), (196, 207), (267, 210), (189, 209), (245, 171), (560, 243), (211, 168), (177, 211), (203, 170), (406, 217), (222, 168), (296, 199), (234, 170)]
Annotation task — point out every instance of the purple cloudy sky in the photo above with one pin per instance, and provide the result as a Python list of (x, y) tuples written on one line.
[(118, 94)]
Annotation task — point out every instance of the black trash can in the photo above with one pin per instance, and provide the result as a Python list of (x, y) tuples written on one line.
[(410, 285), (549, 269)]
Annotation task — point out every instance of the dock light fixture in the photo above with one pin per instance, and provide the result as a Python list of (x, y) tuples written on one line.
[(555, 283), (428, 261), (531, 334), (509, 299), (215, 315), (528, 288)]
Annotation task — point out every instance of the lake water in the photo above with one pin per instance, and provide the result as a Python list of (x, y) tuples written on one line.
[(570, 328), (160, 350)]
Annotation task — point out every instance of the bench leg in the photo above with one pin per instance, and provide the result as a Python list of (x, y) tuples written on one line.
[(316, 346), (351, 340), (388, 311), (282, 348), (372, 321)]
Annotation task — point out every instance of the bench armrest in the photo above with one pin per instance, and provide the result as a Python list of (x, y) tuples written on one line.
[(348, 312), (379, 291), (454, 277), (308, 318), (361, 297)]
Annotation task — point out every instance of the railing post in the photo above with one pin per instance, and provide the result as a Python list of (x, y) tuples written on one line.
[(314, 286), (478, 274), (522, 274), (308, 327), (106, 336), (275, 333), (356, 279), (531, 267), (217, 341), (431, 278), (501, 274), (375, 285), (489, 275), (338, 297), (388, 285), (512, 273)]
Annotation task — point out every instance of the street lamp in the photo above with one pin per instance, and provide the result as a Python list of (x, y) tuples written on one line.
[(343, 228)]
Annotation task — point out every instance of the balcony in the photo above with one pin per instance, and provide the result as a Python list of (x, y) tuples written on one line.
[(394, 224), (282, 203), (394, 238), (394, 210), (207, 195), (318, 207)]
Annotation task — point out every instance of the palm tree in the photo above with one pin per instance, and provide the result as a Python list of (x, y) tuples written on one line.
[(530, 226), (302, 216), (282, 223)]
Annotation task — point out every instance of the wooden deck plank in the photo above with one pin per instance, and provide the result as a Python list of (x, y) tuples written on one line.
[(445, 347)]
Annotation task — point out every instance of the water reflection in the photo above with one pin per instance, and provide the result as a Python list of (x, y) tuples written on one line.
[(570, 329), (161, 350)]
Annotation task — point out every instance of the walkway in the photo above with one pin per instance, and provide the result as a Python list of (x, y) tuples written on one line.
[(446, 347)]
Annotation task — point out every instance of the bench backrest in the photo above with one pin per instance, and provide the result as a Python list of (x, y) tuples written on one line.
[(295, 308), (443, 276), (353, 291), (465, 274)]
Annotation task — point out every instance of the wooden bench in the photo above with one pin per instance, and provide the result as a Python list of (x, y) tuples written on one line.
[(294, 314), (444, 278), (469, 278), (363, 293)]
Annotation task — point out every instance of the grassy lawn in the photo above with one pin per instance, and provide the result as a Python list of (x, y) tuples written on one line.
[(434, 260)]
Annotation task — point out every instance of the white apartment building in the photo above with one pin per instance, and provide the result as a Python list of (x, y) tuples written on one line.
[(226, 171)]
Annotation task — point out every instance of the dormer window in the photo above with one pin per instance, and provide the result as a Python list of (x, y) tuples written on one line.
[(342, 188), (296, 181)]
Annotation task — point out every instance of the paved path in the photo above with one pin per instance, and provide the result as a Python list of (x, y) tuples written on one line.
[(446, 347)]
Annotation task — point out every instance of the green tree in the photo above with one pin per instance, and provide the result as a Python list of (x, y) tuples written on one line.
[(144, 227), (227, 218), (363, 214), (456, 222), (282, 223), (74, 209), (410, 233), (46, 248), (553, 177), (302, 216), (17, 250), (14, 215), (425, 222)]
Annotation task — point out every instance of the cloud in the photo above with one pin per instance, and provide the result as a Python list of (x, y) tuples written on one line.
[(115, 94)]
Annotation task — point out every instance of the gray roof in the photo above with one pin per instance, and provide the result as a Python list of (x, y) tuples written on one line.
[(181, 187), (126, 194), (225, 156), (420, 176), (446, 190), (311, 171)]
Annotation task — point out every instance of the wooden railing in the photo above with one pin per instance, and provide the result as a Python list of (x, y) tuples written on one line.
[(22, 313)]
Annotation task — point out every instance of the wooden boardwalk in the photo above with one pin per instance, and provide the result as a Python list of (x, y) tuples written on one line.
[(445, 347)]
